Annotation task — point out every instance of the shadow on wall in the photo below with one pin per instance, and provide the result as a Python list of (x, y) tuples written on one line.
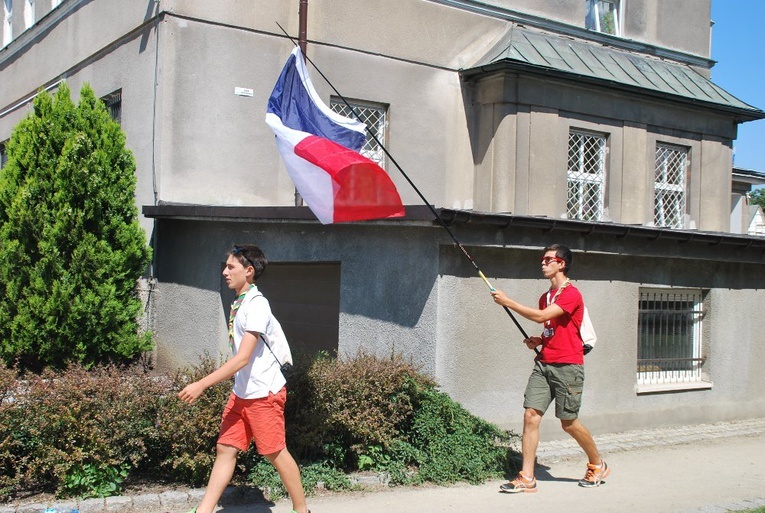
[(515, 263), (315, 273)]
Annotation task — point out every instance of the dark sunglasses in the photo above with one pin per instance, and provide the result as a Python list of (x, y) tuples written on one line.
[(546, 260), (238, 250)]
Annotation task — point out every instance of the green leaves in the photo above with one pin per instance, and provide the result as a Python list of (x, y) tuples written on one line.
[(72, 248), (91, 480)]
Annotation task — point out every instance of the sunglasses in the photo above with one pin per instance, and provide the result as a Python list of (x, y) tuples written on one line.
[(546, 260), (238, 250)]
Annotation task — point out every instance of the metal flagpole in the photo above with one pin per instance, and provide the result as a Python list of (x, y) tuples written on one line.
[(411, 183)]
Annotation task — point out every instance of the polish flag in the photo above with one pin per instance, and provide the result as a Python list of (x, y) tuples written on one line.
[(321, 148)]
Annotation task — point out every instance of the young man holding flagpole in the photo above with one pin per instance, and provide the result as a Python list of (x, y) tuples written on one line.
[(558, 371)]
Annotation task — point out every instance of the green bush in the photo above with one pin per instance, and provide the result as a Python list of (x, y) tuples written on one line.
[(382, 414), (72, 246), (77, 432), (454, 445), (185, 449), (89, 433), (348, 407), (263, 475)]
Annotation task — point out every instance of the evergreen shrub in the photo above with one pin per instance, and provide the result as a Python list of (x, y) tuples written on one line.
[(72, 249)]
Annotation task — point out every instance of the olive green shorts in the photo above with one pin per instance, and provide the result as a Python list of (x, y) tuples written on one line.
[(560, 381)]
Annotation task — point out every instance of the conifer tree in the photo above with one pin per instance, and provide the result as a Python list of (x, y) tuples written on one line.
[(72, 248)]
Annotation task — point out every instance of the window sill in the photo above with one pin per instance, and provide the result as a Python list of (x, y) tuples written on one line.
[(672, 387)]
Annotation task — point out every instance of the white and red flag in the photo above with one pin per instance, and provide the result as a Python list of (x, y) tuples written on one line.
[(321, 148)]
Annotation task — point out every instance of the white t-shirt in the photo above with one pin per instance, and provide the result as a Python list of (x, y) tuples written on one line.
[(262, 374)]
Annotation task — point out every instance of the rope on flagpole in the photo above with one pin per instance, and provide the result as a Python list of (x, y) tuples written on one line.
[(412, 184)]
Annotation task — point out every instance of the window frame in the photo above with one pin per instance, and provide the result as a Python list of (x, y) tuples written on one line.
[(7, 22), (580, 179), (593, 18), (113, 104), (651, 378), (29, 14), (371, 149), (664, 189)]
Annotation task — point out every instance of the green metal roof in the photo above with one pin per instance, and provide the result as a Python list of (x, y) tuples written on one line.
[(596, 63)]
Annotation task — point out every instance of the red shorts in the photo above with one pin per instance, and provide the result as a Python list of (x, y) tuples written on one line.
[(259, 419)]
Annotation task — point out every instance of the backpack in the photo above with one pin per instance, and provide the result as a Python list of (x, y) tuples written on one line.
[(587, 332)]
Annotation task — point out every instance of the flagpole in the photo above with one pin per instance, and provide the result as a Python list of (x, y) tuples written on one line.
[(412, 184)]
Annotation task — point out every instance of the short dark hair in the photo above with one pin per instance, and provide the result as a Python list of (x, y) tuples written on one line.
[(250, 255), (563, 253)]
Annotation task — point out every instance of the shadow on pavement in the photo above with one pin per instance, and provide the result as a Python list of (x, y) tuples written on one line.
[(542, 473)]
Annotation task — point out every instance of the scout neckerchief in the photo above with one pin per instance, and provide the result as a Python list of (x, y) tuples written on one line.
[(548, 324), (235, 308)]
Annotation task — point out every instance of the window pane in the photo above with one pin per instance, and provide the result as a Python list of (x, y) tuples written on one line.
[(7, 15), (669, 186), (113, 102), (669, 336), (373, 116), (603, 16), (29, 13), (586, 176)]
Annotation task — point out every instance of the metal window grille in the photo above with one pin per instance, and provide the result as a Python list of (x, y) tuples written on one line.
[(604, 16), (670, 185), (113, 102), (669, 337), (374, 117), (586, 176)]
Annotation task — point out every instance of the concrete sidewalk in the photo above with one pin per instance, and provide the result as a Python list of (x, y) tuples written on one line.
[(705, 468)]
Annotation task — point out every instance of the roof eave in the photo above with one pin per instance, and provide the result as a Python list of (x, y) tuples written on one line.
[(504, 65), (547, 224)]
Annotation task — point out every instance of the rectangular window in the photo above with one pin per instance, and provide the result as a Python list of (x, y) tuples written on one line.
[(604, 16), (670, 339), (113, 102), (586, 176), (374, 116), (670, 186), (7, 25)]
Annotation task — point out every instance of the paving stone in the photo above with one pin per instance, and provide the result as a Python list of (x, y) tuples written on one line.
[(146, 503), (195, 496), (92, 506), (173, 499), (31, 508), (120, 504)]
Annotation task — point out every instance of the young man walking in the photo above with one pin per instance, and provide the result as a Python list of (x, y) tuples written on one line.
[(558, 370), (255, 409)]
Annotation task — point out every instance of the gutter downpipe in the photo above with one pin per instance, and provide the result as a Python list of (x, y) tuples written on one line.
[(303, 44), (303, 26)]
